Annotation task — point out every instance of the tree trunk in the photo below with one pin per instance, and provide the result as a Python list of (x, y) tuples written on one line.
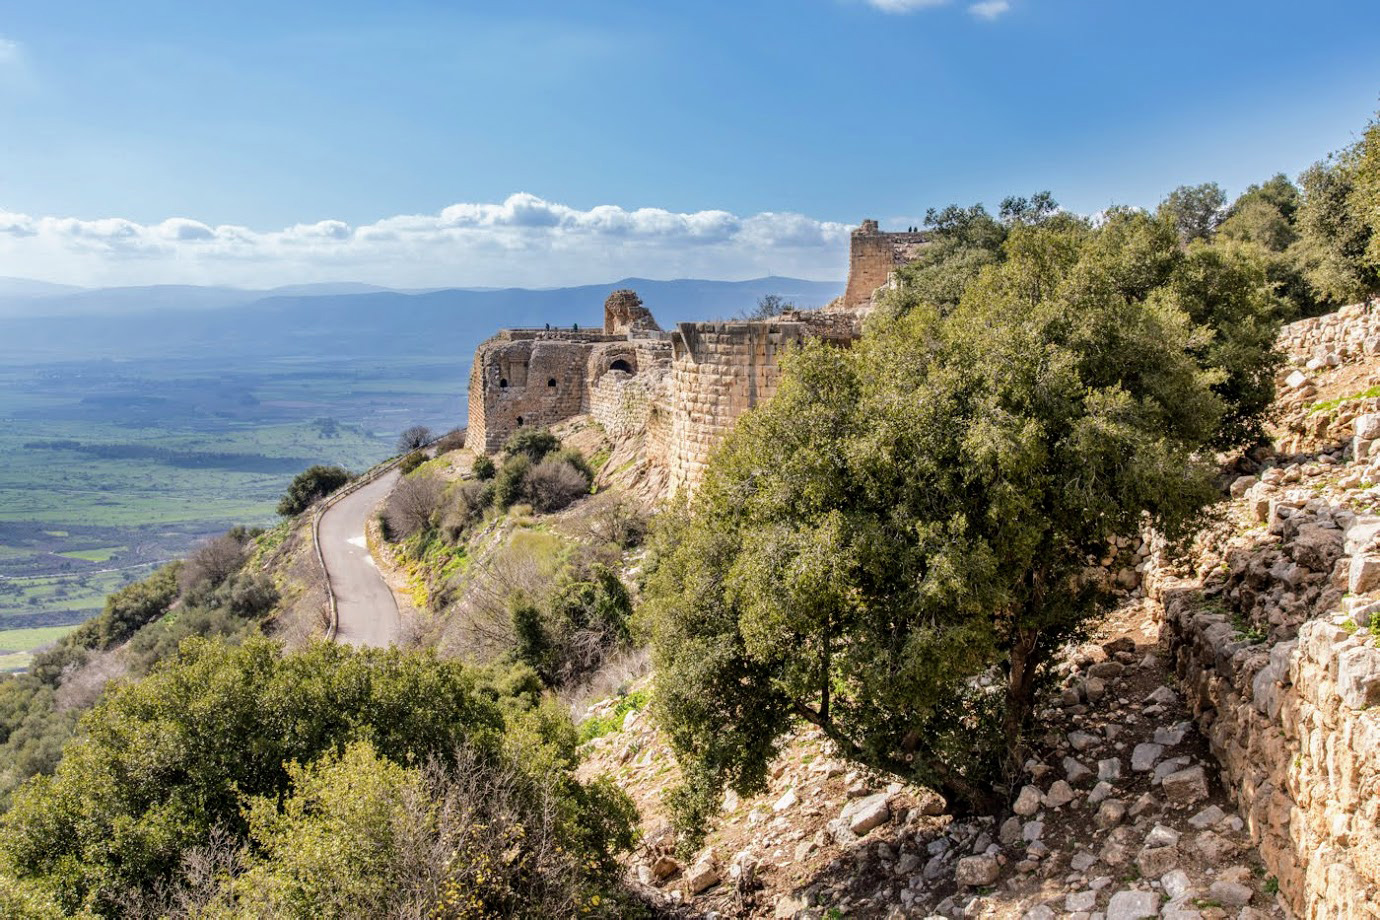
[(1020, 694)]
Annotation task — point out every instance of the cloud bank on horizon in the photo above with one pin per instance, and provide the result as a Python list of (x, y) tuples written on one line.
[(523, 241)]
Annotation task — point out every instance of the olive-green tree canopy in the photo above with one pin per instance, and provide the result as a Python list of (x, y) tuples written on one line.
[(894, 546)]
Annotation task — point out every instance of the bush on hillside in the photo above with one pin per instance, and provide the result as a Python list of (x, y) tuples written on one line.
[(554, 483), (571, 631), (511, 479), (411, 461), (286, 762), (412, 503), (483, 467), (212, 562), (534, 443), (469, 501), (451, 440), (311, 484)]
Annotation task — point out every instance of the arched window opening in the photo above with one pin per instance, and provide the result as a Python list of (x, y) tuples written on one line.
[(551, 382), (503, 383), (621, 365), (519, 421)]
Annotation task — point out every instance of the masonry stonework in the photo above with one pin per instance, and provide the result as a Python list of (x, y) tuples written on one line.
[(872, 257), (683, 390)]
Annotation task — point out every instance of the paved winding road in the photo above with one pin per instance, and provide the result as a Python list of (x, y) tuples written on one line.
[(367, 611)]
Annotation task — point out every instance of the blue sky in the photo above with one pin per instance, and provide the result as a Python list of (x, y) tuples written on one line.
[(539, 143)]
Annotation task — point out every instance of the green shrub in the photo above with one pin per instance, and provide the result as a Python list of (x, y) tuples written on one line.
[(311, 484), (165, 760), (483, 467), (508, 484), (534, 443), (571, 632), (598, 726), (316, 786), (554, 483), (411, 461)]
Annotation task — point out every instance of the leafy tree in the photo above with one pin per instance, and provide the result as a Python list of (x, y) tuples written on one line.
[(972, 226), (1335, 235), (134, 605), (583, 620), (963, 241), (895, 545), (1264, 214), (311, 484), (414, 438), (1367, 193), (1033, 210), (163, 761), (1194, 211)]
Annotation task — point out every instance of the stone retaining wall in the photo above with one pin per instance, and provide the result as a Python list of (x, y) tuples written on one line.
[(1348, 334), (1299, 749)]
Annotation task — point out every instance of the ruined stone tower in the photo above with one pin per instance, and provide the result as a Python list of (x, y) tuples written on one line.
[(624, 314), (873, 255)]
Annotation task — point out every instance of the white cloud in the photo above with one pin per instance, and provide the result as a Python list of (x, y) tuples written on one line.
[(904, 6), (521, 241), (9, 51), (990, 9)]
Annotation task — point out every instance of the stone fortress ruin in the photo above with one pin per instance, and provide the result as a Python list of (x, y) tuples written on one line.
[(682, 390)]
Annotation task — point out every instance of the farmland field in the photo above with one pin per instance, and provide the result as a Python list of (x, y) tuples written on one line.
[(109, 468)]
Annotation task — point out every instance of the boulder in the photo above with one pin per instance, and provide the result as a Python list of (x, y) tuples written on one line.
[(1156, 861), (1317, 547), (1110, 813), (1028, 802), (1297, 380), (1364, 574), (1233, 893), (977, 871), (1060, 793), (862, 815), (1367, 427), (1186, 786), (1240, 485), (1144, 756), (1080, 900), (704, 874), (1133, 905)]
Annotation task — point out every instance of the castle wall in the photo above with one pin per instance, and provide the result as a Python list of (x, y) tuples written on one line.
[(872, 256), (623, 401), (718, 372), (524, 378)]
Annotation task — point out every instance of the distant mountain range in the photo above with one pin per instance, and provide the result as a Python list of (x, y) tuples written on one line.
[(42, 322)]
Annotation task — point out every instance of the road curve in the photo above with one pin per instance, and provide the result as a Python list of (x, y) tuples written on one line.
[(367, 612)]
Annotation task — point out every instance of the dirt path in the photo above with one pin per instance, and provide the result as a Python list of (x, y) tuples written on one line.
[(368, 612)]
